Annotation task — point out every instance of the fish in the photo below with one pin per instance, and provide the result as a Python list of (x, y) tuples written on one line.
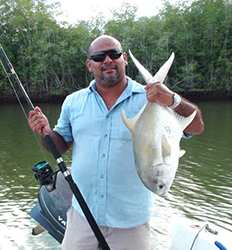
[(156, 133)]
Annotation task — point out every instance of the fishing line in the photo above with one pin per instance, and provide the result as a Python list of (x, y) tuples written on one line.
[(11, 74), (17, 96)]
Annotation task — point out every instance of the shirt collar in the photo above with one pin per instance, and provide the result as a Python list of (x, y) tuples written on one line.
[(132, 87)]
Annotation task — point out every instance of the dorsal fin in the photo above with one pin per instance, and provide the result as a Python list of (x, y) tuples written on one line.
[(159, 76), (130, 122), (184, 121), (187, 120)]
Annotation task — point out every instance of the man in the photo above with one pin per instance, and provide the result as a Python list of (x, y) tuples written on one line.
[(102, 155)]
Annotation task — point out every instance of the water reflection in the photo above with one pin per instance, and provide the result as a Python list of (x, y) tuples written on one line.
[(201, 191)]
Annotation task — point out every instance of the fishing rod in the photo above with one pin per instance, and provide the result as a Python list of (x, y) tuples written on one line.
[(13, 77)]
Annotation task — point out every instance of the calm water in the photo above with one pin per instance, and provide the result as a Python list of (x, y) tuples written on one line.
[(202, 189)]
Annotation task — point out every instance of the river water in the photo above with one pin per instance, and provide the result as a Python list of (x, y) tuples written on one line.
[(201, 192)]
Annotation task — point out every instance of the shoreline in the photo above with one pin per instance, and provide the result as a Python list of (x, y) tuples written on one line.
[(192, 96)]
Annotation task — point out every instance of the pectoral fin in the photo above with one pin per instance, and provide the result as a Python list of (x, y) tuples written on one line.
[(166, 146)]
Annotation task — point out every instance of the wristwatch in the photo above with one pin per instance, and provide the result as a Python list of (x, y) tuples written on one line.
[(176, 101)]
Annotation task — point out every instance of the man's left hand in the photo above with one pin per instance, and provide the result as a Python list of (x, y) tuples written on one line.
[(159, 93)]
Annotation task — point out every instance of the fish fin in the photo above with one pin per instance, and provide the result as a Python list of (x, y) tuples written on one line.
[(130, 122), (159, 76), (166, 147), (163, 71), (185, 121), (147, 76), (182, 152)]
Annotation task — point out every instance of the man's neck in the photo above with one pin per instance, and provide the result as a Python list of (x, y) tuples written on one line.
[(111, 94)]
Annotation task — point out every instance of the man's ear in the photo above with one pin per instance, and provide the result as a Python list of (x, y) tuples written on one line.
[(125, 56), (88, 65)]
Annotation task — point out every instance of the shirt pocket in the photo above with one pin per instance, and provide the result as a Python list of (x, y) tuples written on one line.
[(87, 124)]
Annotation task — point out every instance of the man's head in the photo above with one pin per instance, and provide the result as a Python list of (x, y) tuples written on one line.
[(106, 61)]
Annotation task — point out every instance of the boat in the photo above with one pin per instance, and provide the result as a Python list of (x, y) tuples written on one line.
[(196, 235), (55, 199)]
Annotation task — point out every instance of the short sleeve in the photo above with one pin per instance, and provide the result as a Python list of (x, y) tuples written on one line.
[(63, 126)]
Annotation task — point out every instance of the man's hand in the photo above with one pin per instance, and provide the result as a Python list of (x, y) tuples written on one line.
[(162, 95), (159, 93), (38, 122)]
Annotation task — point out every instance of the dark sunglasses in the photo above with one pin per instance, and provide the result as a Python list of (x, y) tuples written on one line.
[(101, 56)]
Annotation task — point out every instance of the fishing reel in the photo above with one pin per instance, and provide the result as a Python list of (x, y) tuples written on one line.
[(45, 175)]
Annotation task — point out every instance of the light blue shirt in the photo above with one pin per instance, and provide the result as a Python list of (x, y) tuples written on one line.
[(102, 155)]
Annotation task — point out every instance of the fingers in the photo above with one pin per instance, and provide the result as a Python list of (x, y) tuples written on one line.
[(151, 91), (33, 112), (38, 122), (149, 86), (159, 93)]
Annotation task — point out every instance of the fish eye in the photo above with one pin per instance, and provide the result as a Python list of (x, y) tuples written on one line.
[(161, 186)]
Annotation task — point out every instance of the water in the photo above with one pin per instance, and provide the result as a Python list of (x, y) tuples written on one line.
[(201, 191)]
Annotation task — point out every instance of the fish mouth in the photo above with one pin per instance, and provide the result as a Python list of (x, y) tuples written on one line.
[(162, 193), (157, 186), (159, 189), (161, 179)]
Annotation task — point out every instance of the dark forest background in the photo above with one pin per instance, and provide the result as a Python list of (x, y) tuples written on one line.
[(49, 56)]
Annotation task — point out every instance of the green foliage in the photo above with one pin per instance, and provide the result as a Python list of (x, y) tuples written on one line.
[(50, 57)]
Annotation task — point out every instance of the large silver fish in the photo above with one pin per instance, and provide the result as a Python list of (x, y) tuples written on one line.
[(156, 133)]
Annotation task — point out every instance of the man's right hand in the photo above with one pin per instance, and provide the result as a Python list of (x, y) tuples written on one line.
[(38, 122)]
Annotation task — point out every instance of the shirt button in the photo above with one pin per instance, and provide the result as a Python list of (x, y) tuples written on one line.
[(105, 135), (102, 176), (102, 196), (103, 155)]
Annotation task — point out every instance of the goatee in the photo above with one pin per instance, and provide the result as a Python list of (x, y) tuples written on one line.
[(110, 80)]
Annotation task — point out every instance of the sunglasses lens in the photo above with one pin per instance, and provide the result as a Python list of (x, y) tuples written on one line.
[(100, 57), (115, 55)]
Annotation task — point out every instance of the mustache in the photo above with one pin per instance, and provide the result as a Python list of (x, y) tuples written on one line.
[(107, 67)]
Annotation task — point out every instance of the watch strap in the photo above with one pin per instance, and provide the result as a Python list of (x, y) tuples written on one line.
[(176, 101)]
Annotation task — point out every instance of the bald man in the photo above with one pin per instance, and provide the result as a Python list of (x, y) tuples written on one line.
[(102, 155)]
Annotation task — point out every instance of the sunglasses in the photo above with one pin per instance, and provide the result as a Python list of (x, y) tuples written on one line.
[(101, 56)]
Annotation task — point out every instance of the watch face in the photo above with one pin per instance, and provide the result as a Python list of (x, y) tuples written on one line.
[(176, 101)]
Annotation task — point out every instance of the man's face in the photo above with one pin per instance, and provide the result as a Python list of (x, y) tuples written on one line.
[(107, 62)]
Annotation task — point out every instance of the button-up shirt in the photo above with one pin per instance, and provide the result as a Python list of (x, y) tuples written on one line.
[(103, 163)]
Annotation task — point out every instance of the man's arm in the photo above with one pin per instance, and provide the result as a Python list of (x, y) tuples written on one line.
[(186, 108), (61, 145), (39, 124), (162, 95)]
